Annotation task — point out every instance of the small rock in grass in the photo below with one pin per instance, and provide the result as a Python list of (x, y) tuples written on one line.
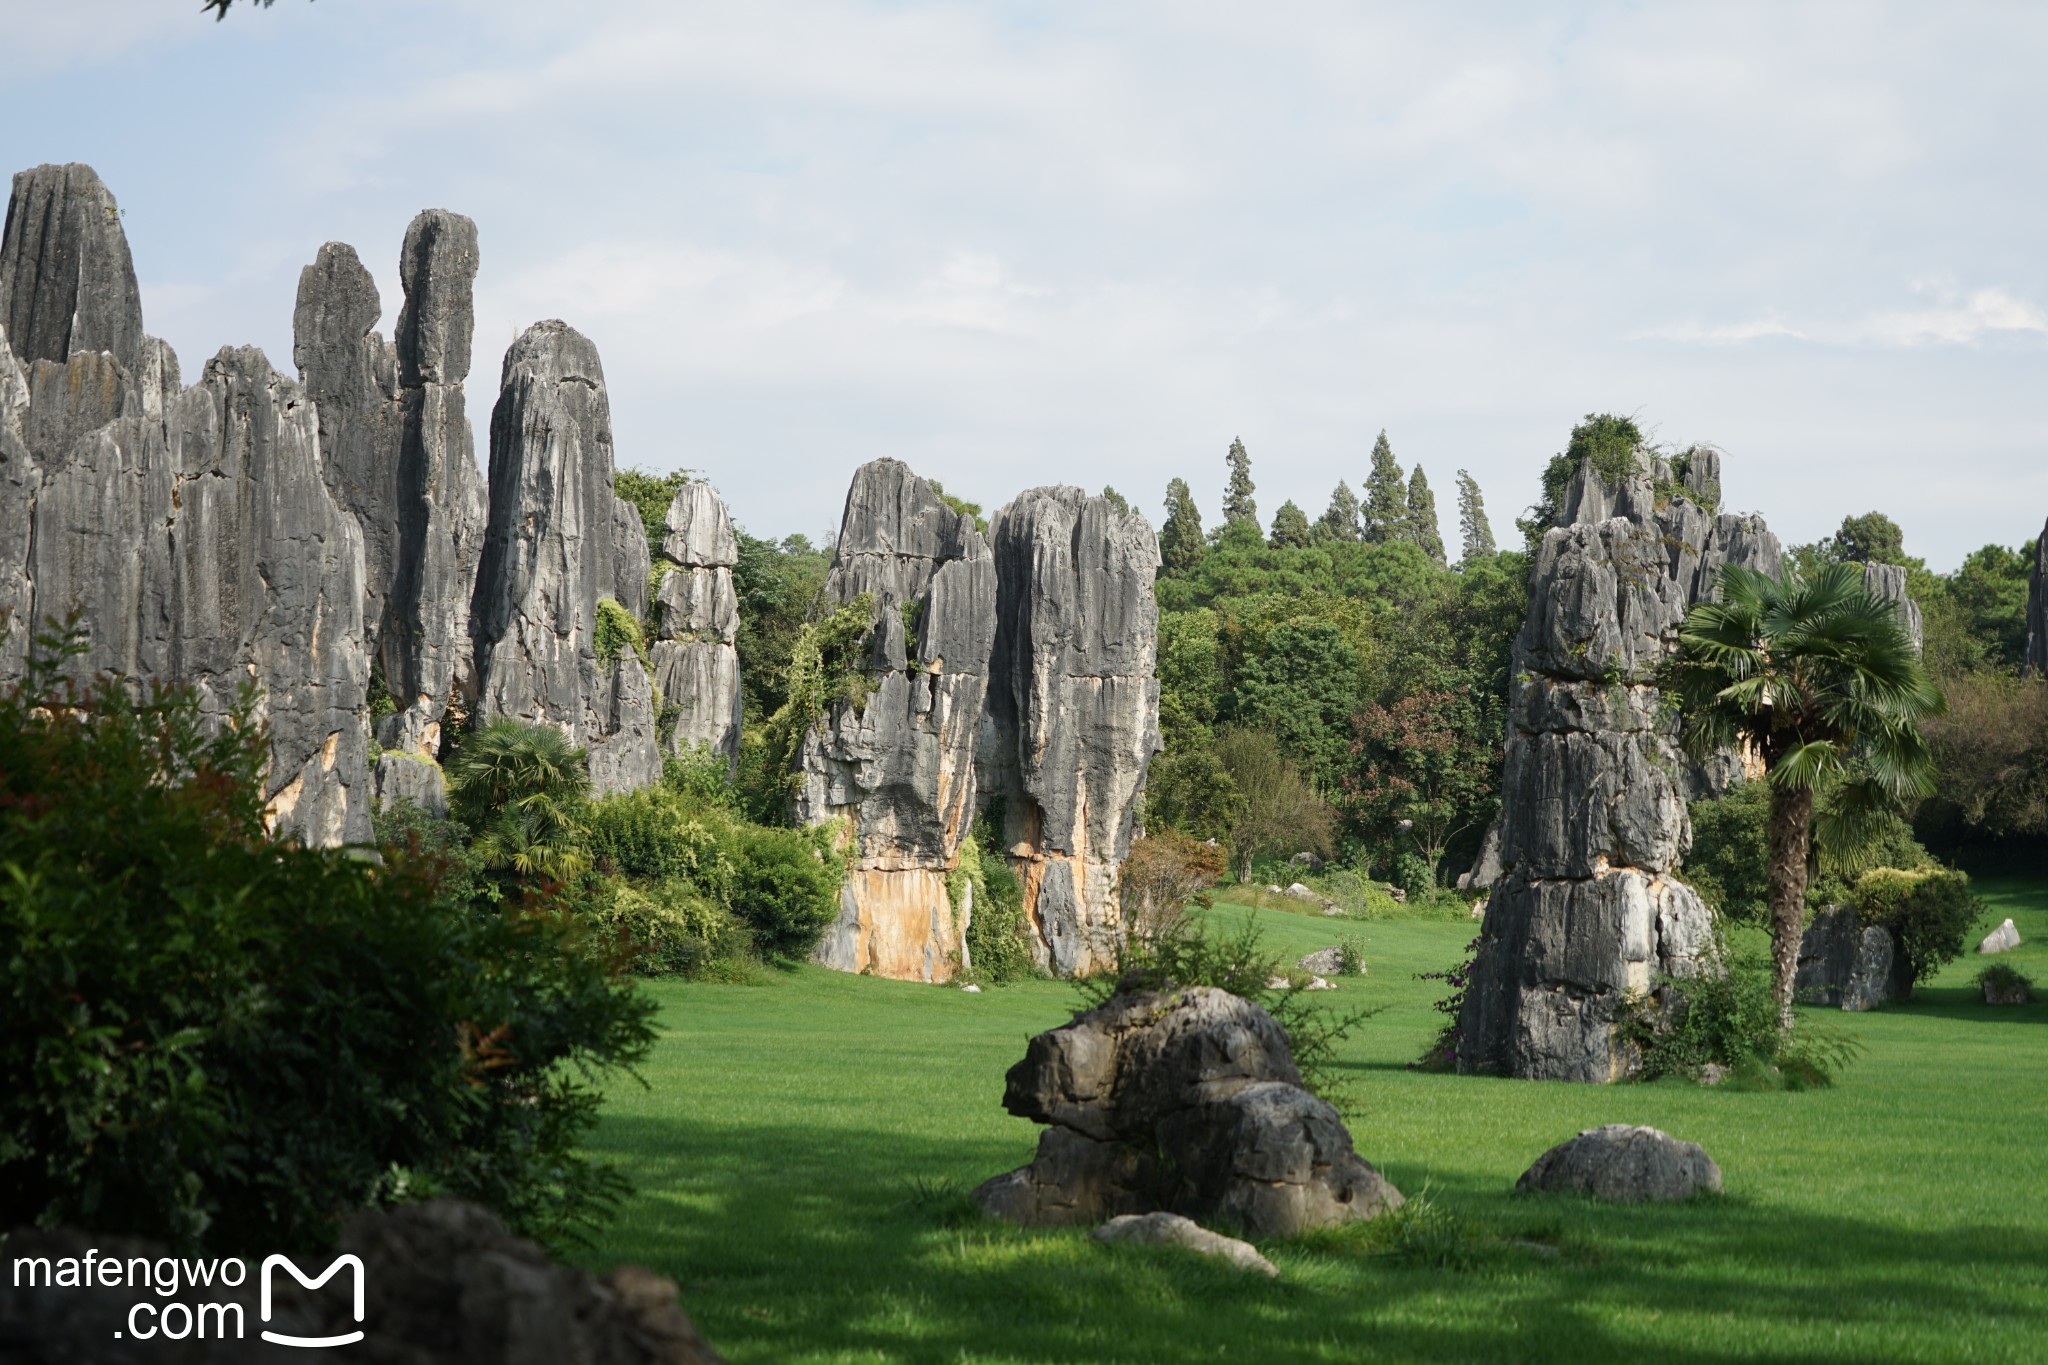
[(1301, 893), (1277, 983), (1172, 1230), (1625, 1164), (1332, 910), (972, 990), (1326, 962), (1713, 1073), (2003, 939), (1273, 888)]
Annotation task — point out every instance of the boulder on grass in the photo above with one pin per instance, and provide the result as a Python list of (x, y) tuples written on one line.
[(1843, 962), (1326, 962), (1180, 1101), (1625, 1164), (2003, 939), (1172, 1230)]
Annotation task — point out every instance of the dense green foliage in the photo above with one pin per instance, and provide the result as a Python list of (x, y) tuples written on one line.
[(521, 788), (228, 1042), (1730, 1019), (650, 495), (1731, 850), (998, 932), (1928, 911)]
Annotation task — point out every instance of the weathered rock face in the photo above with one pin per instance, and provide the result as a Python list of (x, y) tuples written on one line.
[(1593, 826), (443, 1283), (697, 619), (2037, 608), (900, 765), (399, 454), (190, 531), (1186, 1102), (1887, 582), (1843, 962), (1625, 1164), (67, 283), (1073, 708), (551, 552)]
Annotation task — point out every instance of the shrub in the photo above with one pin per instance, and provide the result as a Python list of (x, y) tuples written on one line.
[(227, 1042), (616, 631), (1731, 854), (654, 834), (1730, 1019), (1164, 871), (1929, 912), (786, 888), (670, 927), (1442, 1053), (2004, 983), (998, 946), (522, 788)]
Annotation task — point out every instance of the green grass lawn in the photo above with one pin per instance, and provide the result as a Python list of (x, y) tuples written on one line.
[(801, 1149)]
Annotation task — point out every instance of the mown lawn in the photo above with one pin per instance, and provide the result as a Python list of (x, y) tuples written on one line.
[(801, 1150)]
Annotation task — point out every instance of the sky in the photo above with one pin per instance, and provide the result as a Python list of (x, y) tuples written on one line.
[(1092, 243)]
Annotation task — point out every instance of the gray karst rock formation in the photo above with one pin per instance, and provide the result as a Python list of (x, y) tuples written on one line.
[(899, 765), (1073, 708), (2037, 608), (399, 454), (1887, 582), (190, 530), (1185, 1102), (697, 619), (556, 545), (1593, 789), (1845, 963)]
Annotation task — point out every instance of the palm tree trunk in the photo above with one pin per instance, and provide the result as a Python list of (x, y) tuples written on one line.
[(1791, 833)]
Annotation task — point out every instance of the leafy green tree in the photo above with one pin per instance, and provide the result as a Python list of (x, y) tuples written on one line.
[(1386, 495), (1340, 520), (777, 583), (1990, 753), (1610, 443), (1424, 768), (1239, 507), (1819, 679), (1977, 616), (1872, 538), (521, 787), (1474, 532), (1278, 811), (1290, 527), (1301, 687), (1422, 523), (227, 1042), (650, 495), (1180, 540)]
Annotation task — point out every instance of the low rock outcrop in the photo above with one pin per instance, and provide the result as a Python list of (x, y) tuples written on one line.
[(1172, 1230), (1586, 908), (1844, 962), (697, 620), (557, 544), (1073, 708), (443, 1283), (898, 764), (1625, 1164), (1185, 1101), (2003, 939)]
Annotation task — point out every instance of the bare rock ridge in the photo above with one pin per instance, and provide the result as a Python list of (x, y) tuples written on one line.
[(899, 764), (557, 544), (1073, 708), (315, 538), (2037, 608), (1586, 907), (190, 530), (697, 619)]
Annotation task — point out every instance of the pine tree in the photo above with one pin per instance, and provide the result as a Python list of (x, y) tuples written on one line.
[(1472, 524), (1290, 526), (1340, 522), (1180, 540), (1422, 525), (1238, 505), (1386, 495)]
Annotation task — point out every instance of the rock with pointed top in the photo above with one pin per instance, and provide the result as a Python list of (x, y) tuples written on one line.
[(67, 282), (1073, 708), (551, 553), (899, 764), (696, 663)]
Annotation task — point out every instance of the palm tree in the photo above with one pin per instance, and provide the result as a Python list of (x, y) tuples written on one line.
[(1819, 680), (521, 788)]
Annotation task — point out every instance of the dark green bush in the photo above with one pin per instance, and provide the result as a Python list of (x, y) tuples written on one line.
[(787, 889), (998, 949), (1730, 1019), (1731, 854), (228, 1042), (1929, 912)]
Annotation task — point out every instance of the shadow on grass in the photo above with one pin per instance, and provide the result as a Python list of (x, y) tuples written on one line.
[(795, 1244)]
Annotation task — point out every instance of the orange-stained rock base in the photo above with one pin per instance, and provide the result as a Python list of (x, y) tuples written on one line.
[(898, 924)]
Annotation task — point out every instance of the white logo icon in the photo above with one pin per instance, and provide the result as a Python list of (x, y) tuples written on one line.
[(281, 1338)]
